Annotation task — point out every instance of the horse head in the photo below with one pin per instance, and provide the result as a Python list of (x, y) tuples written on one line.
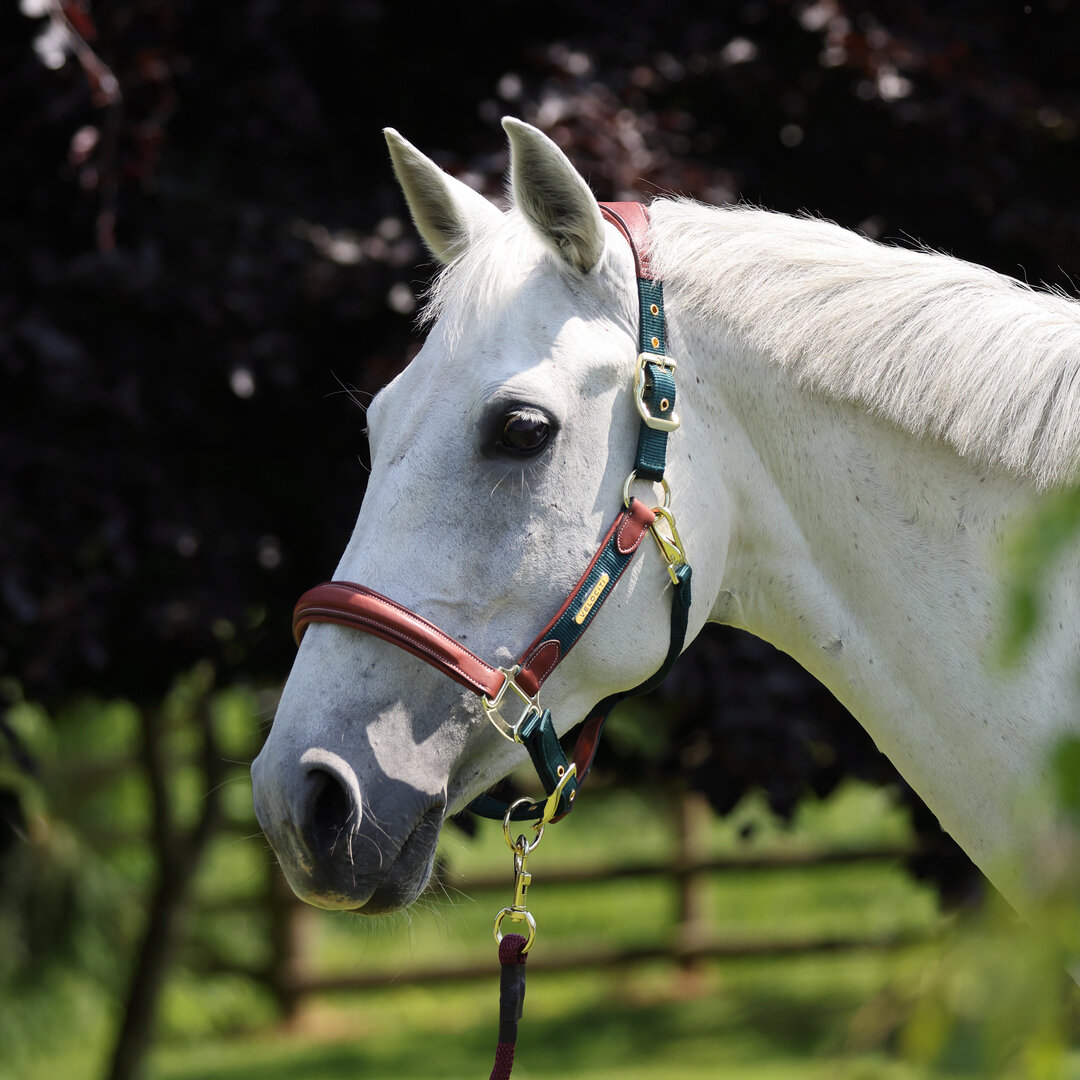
[(497, 458)]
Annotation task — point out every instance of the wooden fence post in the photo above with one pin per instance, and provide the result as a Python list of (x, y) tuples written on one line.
[(692, 928), (288, 970)]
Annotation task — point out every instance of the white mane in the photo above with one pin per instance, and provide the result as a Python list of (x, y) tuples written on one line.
[(942, 347)]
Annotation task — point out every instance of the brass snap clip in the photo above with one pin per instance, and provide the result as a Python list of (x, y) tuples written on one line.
[(670, 543), (523, 847)]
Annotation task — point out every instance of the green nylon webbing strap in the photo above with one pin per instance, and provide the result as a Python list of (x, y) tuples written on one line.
[(595, 588), (652, 326), (659, 398), (659, 391)]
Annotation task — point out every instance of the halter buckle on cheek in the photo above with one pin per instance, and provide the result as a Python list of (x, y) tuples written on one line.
[(493, 706), (647, 364)]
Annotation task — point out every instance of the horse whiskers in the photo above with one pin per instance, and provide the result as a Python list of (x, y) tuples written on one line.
[(438, 885), (352, 393), (378, 825), (350, 851)]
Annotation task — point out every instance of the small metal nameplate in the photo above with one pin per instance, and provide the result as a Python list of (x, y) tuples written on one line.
[(590, 600)]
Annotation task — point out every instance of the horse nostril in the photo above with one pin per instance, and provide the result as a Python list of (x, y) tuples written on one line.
[(332, 803), (330, 815)]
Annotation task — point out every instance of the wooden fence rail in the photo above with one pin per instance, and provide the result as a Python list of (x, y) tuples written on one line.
[(691, 941), (288, 971)]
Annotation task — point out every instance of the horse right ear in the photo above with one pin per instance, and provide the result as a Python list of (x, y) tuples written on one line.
[(446, 212)]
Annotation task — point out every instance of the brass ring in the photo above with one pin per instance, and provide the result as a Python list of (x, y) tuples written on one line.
[(516, 916), (662, 482), (521, 846)]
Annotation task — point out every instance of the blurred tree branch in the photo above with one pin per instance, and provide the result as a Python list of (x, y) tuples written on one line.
[(178, 852)]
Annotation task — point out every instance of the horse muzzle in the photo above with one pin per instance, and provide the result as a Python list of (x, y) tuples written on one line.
[(336, 850)]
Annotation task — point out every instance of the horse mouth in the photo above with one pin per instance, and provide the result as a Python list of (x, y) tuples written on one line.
[(410, 871)]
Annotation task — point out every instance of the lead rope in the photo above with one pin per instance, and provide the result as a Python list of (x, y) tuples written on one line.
[(512, 953), (514, 948)]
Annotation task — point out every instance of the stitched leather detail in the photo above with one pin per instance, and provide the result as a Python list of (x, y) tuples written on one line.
[(538, 665), (633, 528), (359, 608)]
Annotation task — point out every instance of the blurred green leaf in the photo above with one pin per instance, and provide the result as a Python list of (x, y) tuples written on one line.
[(1030, 554), (1066, 766)]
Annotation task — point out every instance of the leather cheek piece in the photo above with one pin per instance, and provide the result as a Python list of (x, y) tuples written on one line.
[(632, 531), (538, 666)]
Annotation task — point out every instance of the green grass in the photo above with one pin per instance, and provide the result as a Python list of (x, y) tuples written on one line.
[(588, 1025)]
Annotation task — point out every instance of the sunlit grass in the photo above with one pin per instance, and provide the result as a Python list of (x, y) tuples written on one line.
[(782, 1022), (873, 1014)]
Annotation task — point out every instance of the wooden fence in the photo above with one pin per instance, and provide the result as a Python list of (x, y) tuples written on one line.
[(172, 795), (692, 940), (291, 977)]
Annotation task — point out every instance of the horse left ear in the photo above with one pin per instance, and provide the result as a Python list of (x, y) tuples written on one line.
[(446, 212), (550, 192)]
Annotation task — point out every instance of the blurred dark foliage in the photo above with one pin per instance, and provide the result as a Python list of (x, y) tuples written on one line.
[(206, 268)]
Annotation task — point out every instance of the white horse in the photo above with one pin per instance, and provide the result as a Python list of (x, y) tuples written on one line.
[(862, 427)]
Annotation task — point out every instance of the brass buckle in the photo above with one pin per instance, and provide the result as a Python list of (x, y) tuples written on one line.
[(492, 706), (657, 423)]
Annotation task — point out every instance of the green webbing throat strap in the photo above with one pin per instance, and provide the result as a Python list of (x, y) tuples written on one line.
[(654, 395)]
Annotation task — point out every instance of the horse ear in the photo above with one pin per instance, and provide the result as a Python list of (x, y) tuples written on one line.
[(446, 212), (550, 192)]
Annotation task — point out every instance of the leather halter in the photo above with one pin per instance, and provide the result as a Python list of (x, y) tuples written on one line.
[(360, 608)]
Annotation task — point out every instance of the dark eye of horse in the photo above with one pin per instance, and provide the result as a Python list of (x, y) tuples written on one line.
[(525, 432)]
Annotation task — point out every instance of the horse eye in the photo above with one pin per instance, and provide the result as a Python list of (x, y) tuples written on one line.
[(525, 433)]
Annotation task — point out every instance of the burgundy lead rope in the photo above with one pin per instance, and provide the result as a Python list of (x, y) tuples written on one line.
[(512, 956)]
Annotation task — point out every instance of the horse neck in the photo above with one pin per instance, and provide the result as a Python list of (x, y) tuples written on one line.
[(874, 558)]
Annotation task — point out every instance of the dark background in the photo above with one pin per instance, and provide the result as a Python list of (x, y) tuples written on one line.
[(205, 268)]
